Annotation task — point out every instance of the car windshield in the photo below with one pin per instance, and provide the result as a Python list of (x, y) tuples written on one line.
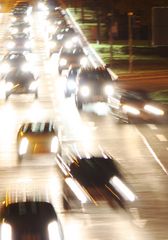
[(94, 75), (19, 76), (94, 171), (38, 128)]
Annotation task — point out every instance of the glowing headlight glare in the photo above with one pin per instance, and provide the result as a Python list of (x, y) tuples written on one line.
[(10, 45), (8, 86), (75, 187), (54, 145), (154, 110), (23, 146), (54, 231), (27, 45), (13, 19), (25, 67), (26, 19), (75, 39), (85, 91), (33, 86), (63, 62), (6, 231), (83, 61), (5, 67), (108, 89), (68, 44), (120, 187), (71, 85), (52, 44), (14, 31), (130, 109)]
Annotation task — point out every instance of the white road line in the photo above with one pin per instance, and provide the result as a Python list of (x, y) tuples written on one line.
[(152, 126), (161, 138), (152, 152)]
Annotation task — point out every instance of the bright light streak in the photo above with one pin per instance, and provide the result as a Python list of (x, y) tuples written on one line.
[(109, 90), (54, 231), (85, 91), (54, 145), (154, 110), (130, 109), (126, 193), (6, 231), (76, 188), (23, 146)]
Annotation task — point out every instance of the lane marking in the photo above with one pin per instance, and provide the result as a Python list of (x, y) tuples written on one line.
[(152, 152), (161, 137), (152, 126)]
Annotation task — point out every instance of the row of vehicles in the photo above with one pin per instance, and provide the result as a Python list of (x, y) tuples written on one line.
[(16, 69)]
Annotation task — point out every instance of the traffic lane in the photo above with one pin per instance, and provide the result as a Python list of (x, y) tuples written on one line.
[(156, 139)]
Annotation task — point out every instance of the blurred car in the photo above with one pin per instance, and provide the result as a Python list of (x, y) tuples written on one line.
[(90, 179), (20, 82), (13, 60), (30, 220), (20, 27), (20, 42), (38, 138), (74, 56), (93, 85), (70, 81), (139, 105)]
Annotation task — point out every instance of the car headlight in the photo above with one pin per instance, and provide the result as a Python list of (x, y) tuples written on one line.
[(54, 145), (76, 188), (10, 45), (68, 44), (23, 146), (8, 86), (83, 61), (130, 109), (85, 91), (71, 85), (63, 62), (54, 231), (52, 44), (5, 67), (6, 231), (27, 44), (26, 30), (25, 67), (153, 110), (13, 19), (108, 89), (33, 86), (121, 188), (14, 30)]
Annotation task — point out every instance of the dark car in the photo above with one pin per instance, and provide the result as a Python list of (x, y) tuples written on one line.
[(93, 85), (38, 138), (139, 105), (30, 220), (19, 82), (93, 179), (74, 56)]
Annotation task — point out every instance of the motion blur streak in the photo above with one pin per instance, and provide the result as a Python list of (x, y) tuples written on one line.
[(53, 231), (153, 110), (6, 232), (122, 189)]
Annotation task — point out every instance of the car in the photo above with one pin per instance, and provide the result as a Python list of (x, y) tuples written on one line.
[(12, 60), (74, 56), (93, 85), (93, 179), (20, 27), (139, 105), (38, 138), (20, 42), (30, 220), (70, 81), (20, 82)]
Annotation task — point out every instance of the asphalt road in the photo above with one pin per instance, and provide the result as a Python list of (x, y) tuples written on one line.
[(140, 149)]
